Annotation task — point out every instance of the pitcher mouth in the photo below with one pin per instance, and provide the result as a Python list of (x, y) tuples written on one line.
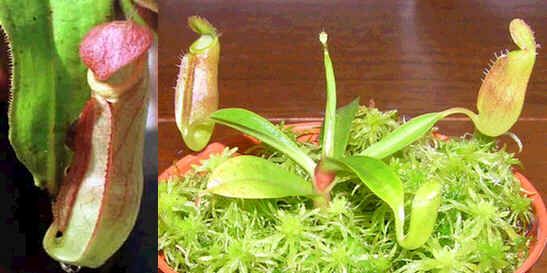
[(130, 42)]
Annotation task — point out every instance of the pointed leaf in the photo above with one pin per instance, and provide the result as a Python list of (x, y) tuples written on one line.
[(329, 125), (344, 118), (258, 127), (403, 136), (253, 177), (385, 183)]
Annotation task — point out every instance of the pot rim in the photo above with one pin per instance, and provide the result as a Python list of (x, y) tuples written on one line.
[(311, 130)]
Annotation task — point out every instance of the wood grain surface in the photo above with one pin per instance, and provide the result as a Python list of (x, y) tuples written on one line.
[(416, 56)]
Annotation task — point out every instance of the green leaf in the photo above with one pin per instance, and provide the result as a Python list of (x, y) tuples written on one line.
[(71, 23), (329, 126), (404, 135), (258, 127), (344, 118), (49, 86), (253, 177), (385, 183)]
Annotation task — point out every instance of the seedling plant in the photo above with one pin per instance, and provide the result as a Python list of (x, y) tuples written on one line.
[(341, 204)]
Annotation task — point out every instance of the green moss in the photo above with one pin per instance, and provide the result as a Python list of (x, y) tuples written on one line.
[(481, 225)]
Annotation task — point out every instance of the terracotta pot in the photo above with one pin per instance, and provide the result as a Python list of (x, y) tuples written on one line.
[(310, 133)]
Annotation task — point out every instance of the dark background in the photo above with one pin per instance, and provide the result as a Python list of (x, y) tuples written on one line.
[(416, 56)]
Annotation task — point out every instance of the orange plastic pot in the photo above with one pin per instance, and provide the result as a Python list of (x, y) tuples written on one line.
[(310, 132)]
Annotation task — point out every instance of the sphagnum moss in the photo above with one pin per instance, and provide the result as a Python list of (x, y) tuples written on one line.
[(481, 225)]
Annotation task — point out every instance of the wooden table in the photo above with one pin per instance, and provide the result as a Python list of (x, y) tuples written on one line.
[(416, 56)]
